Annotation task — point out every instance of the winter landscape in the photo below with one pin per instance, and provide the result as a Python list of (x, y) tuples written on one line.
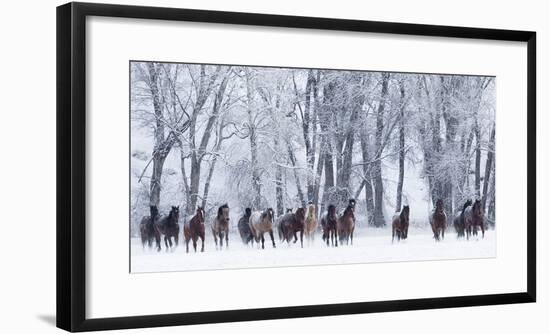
[(249, 167)]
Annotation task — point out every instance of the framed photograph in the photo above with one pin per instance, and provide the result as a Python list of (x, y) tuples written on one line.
[(250, 166)]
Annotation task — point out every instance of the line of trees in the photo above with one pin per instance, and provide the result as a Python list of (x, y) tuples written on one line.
[(283, 137)]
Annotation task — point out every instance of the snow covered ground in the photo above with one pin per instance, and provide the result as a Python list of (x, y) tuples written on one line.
[(369, 246)]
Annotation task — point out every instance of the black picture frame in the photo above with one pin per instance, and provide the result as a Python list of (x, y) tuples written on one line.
[(71, 167)]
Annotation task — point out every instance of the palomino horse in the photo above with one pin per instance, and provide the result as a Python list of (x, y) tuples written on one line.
[(473, 217), (194, 229), (345, 225), (438, 221), (292, 223), (311, 223), (220, 227), (244, 227), (328, 224), (147, 227), (400, 224), (168, 226), (260, 223), (458, 222)]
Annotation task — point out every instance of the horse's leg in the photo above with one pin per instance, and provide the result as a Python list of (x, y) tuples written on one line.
[(392, 234), (186, 245), (227, 238), (202, 242), (195, 243), (482, 230), (263, 240), (220, 235), (157, 241), (302, 238), (351, 237), (215, 237), (272, 238), (176, 238)]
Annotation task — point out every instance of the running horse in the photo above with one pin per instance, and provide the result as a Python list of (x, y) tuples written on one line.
[(244, 227), (345, 225), (261, 223), (169, 227), (458, 222), (311, 223), (220, 227), (194, 229), (292, 223), (147, 227), (328, 224), (438, 221), (473, 218), (400, 224)]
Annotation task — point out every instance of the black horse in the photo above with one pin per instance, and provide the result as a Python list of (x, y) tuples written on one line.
[(168, 226), (458, 221), (147, 228), (244, 227)]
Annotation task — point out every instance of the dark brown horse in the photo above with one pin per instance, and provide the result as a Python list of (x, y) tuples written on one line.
[(400, 224), (438, 221), (328, 224), (473, 218), (292, 223), (147, 227), (169, 227), (345, 225), (261, 223), (458, 222), (220, 226), (194, 229), (244, 227)]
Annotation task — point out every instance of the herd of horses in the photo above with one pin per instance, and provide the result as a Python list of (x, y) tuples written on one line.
[(294, 224)]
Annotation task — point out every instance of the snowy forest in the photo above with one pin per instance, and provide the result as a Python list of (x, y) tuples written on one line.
[(259, 137)]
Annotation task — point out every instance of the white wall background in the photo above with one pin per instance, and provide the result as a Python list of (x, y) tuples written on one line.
[(27, 164)]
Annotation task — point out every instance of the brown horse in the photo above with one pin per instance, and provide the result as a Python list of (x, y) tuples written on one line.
[(473, 218), (328, 224), (244, 227), (169, 227), (311, 223), (147, 227), (345, 225), (260, 223), (458, 222), (194, 229), (439, 221), (400, 224), (220, 226), (292, 223)]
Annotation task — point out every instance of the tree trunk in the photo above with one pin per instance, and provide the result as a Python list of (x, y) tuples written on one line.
[(401, 148), (256, 185), (488, 166), (377, 164)]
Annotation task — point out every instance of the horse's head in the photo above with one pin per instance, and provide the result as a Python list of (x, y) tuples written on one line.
[(288, 210), (467, 204), (247, 212), (175, 213), (405, 212), (200, 214), (332, 211), (269, 214), (351, 203), (154, 211), (311, 210), (477, 208), (223, 213), (300, 214), (439, 205)]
